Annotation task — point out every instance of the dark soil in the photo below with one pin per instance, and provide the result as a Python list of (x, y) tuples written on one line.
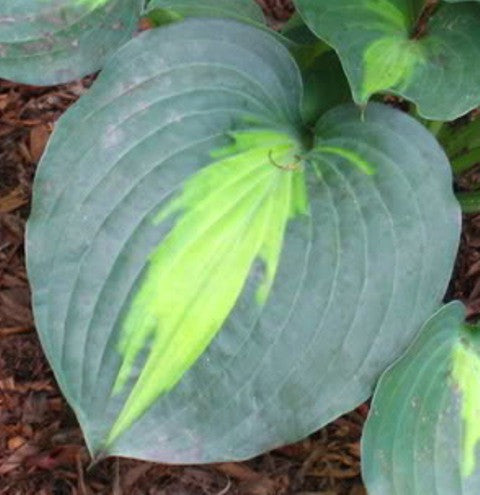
[(41, 447)]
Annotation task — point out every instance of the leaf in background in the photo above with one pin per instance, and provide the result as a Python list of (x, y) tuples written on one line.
[(308, 52), (51, 41), (434, 70), (325, 86), (160, 11), (461, 142), (469, 201), (423, 433), (207, 288), (296, 30)]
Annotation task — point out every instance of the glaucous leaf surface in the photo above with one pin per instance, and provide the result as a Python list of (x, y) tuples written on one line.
[(381, 50), (46, 42), (208, 282), (423, 433)]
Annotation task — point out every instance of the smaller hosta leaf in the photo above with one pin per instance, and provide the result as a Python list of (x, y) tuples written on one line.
[(423, 433), (55, 41), (429, 66), (162, 11)]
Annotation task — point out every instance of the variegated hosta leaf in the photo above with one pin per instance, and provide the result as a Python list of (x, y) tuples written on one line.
[(423, 433), (207, 287), (381, 50), (46, 42)]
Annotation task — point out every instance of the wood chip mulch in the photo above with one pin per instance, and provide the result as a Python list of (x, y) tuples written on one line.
[(42, 451)]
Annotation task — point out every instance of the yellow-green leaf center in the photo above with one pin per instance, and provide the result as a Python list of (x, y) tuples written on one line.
[(466, 374), (231, 214)]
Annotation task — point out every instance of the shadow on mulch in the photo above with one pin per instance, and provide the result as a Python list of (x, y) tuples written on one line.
[(41, 446)]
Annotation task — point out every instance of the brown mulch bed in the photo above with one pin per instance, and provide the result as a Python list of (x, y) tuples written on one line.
[(42, 451)]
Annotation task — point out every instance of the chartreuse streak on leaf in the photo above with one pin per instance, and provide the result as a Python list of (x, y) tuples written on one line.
[(92, 3), (466, 374), (389, 62), (350, 156), (230, 214)]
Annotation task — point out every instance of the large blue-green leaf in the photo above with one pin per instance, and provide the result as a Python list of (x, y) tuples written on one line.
[(208, 283), (423, 433), (46, 42), (381, 50)]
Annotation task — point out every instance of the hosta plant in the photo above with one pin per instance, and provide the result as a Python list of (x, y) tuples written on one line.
[(226, 252)]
